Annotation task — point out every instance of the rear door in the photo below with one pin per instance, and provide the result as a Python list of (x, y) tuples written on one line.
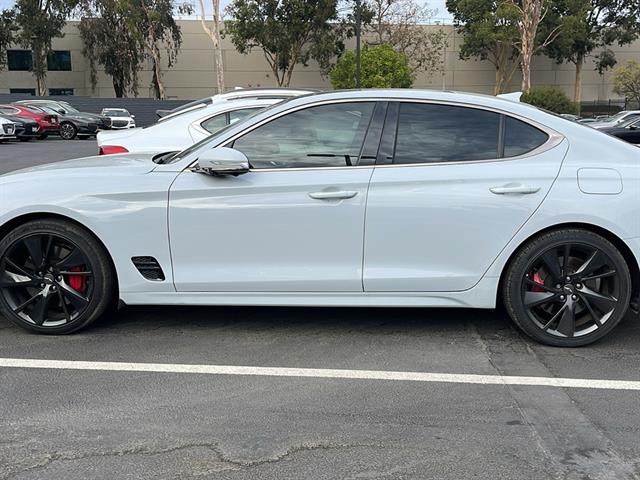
[(452, 186)]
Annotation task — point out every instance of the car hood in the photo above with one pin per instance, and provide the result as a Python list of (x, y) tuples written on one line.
[(113, 165)]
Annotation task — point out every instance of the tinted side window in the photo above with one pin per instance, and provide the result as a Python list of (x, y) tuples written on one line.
[(321, 136), (237, 115), (214, 124), (445, 133), (520, 137)]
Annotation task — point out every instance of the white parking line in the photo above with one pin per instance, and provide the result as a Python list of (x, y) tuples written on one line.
[(321, 373)]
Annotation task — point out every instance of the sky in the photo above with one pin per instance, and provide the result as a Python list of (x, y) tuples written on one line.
[(437, 4)]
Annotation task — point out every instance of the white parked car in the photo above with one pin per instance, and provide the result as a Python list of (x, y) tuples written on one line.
[(7, 129), (179, 131), (238, 94), (615, 120), (395, 198), (120, 118)]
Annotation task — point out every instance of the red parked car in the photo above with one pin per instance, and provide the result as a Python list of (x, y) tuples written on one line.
[(49, 124)]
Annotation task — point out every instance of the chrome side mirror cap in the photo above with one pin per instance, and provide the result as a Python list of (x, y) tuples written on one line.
[(222, 161)]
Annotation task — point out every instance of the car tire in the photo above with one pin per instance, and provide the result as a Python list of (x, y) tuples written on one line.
[(55, 277), (567, 288), (42, 136), (68, 131)]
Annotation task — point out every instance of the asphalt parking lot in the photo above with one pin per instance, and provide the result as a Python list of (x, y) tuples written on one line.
[(287, 414)]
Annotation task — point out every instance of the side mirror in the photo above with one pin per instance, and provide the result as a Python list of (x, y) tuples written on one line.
[(223, 161), (61, 111), (133, 116)]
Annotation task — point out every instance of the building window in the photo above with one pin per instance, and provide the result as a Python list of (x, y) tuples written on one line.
[(60, 91), (59, 60), (19, 60), (23, 91)]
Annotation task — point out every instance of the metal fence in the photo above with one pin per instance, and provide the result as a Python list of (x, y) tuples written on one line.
[(143, 108), (608, 107)]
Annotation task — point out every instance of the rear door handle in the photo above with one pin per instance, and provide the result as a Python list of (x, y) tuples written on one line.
[(514, 188), (333, 195)]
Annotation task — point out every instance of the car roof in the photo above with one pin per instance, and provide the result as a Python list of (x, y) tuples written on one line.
[(240, 94), (212, 108)]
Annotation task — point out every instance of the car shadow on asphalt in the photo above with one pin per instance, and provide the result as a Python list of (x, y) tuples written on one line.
[(357, 320)]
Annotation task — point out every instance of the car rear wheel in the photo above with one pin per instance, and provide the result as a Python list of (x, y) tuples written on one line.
[(55, 277), (567, 288), (68, 131)]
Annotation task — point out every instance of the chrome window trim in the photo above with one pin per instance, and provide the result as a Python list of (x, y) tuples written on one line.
[(555, 138)]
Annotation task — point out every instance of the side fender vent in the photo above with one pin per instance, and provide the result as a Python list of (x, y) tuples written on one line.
[(149, 268)]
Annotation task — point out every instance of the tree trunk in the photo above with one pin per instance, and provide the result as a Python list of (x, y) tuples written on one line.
[(214, 34), (39, 71), (577, 94), (117, 88), (526, 72), (157, 74)]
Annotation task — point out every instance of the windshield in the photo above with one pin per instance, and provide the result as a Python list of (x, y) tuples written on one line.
[(628, 121), (68, 107), (615, 118), (48, 110), (115, 113)]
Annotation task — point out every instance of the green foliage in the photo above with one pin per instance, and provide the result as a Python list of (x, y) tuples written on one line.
[(7, 33), (39, 22), (400, 23), (626, 80), (588, 25), (108, 41), (550, 98), (380, 67), (120, 34), (289, 32), (490, 32)]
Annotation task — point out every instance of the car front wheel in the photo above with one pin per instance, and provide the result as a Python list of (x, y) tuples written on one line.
[(68, 131), (55, 277), (567, 288)]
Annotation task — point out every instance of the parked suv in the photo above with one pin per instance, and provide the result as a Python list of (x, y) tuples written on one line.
[(73, 123)]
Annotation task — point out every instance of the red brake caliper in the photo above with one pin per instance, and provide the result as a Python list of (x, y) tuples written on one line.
[(77, 282), (538, 279)]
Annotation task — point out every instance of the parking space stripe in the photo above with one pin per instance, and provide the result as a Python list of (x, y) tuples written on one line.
[(321, 373)]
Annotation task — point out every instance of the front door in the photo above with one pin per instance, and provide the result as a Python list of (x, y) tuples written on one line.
[(295, 222)]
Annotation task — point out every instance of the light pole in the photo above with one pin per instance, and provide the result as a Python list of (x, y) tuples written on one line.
[(358, 20)]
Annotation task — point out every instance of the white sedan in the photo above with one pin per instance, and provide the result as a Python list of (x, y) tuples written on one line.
[(120, 118), (193, 122), (7, 129), (395, 198)]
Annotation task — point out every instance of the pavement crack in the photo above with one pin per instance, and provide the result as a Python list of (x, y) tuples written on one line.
[(226, 462)]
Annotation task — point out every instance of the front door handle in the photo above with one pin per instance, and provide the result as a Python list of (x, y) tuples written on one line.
[(514, 188), (333, 195)]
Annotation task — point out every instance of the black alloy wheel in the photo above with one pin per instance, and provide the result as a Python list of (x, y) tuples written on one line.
[(568, 288), (54, 277), (68, 131)]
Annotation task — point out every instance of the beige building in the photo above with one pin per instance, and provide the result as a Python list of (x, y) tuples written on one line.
[(193, 76)]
